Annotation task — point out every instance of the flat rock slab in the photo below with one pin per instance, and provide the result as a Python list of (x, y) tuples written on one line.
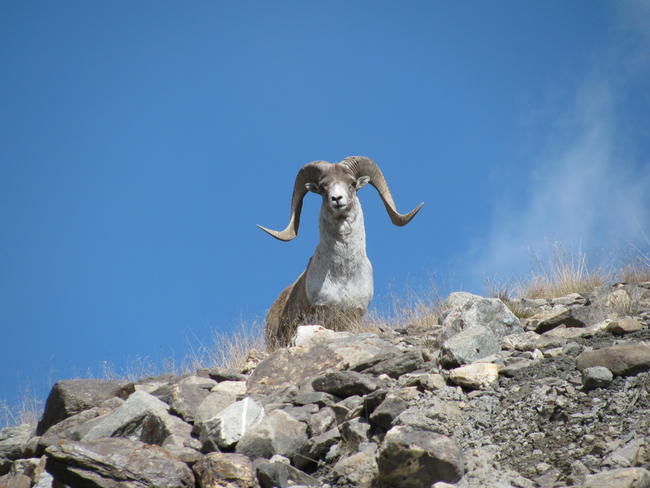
[(346, 383), (622, 360), (290, 366), (412, 458), (619, 478), (625, 325), (70, 397), (476, 376), (110, 463)]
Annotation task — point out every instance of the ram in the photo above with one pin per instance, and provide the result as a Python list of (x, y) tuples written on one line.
[(337, 286)]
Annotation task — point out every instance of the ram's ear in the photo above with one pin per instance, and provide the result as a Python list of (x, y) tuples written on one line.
[(313, 187), (361, 182)]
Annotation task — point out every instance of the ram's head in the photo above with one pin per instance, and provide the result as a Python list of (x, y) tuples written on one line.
[(337, 184)]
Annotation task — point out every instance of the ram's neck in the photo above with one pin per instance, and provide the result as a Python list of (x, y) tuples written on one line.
[(339, 273), (342, 238)]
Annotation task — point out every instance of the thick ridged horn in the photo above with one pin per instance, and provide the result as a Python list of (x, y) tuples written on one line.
[(309, 173), (362, 166)]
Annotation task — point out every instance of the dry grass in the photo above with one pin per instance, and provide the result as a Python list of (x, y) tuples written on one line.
[(635, 273), (229, 349), (26, 411), (564, 274), (414, 310)]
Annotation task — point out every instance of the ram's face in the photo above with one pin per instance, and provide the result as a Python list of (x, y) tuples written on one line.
[(338, 191)]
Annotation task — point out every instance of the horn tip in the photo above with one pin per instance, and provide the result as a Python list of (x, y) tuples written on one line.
[(284, 235)]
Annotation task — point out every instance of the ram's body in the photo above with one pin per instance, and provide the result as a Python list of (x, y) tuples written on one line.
[(337, 286)]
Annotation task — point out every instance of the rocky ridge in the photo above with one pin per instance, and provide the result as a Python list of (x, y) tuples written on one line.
[(556, 396)]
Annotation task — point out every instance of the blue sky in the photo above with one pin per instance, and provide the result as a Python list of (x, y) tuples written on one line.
[(140, 143)]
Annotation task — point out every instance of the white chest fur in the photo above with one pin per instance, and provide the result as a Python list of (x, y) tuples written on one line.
[(340, 273)]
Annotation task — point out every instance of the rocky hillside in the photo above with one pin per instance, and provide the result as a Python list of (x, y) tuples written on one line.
[(553, 395)]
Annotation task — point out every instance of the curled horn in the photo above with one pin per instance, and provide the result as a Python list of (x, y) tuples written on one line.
[(309, 173), (362, 166)]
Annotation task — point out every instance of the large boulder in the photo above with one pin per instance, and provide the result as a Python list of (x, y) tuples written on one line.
[(625, 359), (109, 463), (226, 428), (70, 397), (412, 458), (291, 366), (472, 327), (278, 433), (464, 310), (142, 417)]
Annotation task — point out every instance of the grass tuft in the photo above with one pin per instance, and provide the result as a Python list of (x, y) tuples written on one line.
[(230, 349), (564, 274)]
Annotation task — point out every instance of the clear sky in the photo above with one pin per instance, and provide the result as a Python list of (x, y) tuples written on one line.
[(140, 143)]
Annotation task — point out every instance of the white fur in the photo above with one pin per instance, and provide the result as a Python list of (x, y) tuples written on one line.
[(340, 272)]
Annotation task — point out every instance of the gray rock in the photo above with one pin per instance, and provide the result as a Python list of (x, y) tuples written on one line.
[(475, 376), (358, 469), (281, 475), (550, 319), (70, 397), (348, 408), (109, 463), (627, 359), (142, 417), (319, 398), (411, 458), (237, 388), (398, 365), (619, 478), (316, 448), (482, 470), (277, 433), (14, 440), (387, 411), (346, 383), (373, 400), (212, 404), (423, 381), (588, 315), (221, 374), (624, 325), (596, 377), (435, 415), (321, 421), (74, 427), (354, 433), (291, 366), (468, 346), (185, 396), (227, 427), (302, 413), (465, 310), (219, 469)]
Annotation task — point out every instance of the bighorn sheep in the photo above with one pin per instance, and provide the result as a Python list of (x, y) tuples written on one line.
[(337, 285)]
